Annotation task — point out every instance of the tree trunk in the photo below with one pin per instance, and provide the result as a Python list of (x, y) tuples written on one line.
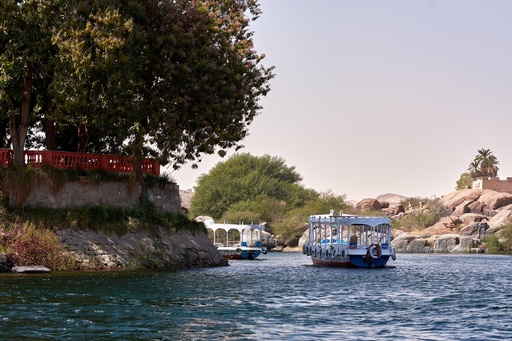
[(83, 137), (18, 130), (49, 125)]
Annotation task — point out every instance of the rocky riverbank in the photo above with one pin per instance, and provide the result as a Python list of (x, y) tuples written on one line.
[(157, 249), (471, 215)]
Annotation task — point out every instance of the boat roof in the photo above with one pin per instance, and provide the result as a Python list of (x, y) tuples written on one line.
[(348, 219), (210, 224)]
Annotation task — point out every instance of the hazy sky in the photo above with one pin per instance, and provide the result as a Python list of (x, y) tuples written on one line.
[(382, 96)]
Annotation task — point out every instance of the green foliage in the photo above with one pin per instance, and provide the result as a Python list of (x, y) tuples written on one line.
[(249, 183), (261, 189), (493, 245), (465, 181), (415, 202), (26, 244), (101, 218), (500, 242), (168, 79), (422, 218), (292, 226)]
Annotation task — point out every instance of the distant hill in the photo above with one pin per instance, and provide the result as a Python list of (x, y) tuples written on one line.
[(391, 198)]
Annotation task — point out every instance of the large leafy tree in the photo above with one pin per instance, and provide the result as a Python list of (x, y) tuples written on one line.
[(179, 78), (248, 184), (173, 79), (485, 164), (26, 62)]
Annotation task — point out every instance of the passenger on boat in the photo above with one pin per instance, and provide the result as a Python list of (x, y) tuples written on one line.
[(352, 242)]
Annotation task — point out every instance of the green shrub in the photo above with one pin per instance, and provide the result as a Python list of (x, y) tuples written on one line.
[(422, 219), (493, 245), (500, 242), (108, 219), (25, 244)]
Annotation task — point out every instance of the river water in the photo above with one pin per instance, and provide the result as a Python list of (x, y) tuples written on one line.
[(280, 296)]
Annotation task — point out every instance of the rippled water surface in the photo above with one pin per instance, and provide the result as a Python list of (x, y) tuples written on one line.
[(278, 297)]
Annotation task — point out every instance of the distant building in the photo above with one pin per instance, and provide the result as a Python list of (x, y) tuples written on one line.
[(494, 184)]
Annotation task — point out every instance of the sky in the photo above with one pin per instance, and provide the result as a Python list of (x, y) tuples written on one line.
[(381, 96)]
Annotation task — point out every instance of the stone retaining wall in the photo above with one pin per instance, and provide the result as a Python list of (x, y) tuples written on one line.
[(112, 194), (147, 249)]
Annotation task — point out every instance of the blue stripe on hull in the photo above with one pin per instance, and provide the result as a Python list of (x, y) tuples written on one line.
[(359, 261), (352, 262)]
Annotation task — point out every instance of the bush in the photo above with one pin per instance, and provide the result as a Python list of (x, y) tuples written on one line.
[(493, 245), (24, 244), (500, 242), (422, 219)]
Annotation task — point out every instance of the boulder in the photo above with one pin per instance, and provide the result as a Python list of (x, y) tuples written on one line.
[(369, 204), (419, 245), (468, 218), (454, 199), (477, 207), (475, 230), (31, 269), (394, 210), (462, 208), (495, 200), (453, 243), (401, 241), (443, 226), (502, 217)]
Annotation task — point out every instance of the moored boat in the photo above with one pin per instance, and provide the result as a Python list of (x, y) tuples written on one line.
[(237, 241), (349, 241)]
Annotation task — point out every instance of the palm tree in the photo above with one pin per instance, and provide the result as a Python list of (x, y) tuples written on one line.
[(474, 169), (487, 163)]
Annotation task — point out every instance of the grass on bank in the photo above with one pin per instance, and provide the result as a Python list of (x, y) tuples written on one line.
[(27, 235)]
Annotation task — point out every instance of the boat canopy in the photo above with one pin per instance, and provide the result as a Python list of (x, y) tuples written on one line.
[(248, 235), (348, 229), (239, 227)]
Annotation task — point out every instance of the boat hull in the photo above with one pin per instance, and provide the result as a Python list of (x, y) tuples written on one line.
[(351, 262), (241, 252)]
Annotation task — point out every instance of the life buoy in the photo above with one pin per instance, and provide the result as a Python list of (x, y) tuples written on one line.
[(264, 250), (239, 251), (334, 253), (344, 253), (393, 254), (377, 252), (304, 248)]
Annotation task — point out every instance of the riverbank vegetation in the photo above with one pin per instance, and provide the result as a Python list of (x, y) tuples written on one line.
[(27, 235), (427, 212), (248, 188), (501, 242)]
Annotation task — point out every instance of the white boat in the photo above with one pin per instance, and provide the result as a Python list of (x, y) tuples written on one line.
[(237, 241), (349, 241)]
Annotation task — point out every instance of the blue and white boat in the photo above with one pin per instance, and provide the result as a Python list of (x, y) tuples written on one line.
[(237, 241), (349, 241)]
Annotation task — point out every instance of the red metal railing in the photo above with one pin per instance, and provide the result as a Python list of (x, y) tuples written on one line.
[(67, 160)]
